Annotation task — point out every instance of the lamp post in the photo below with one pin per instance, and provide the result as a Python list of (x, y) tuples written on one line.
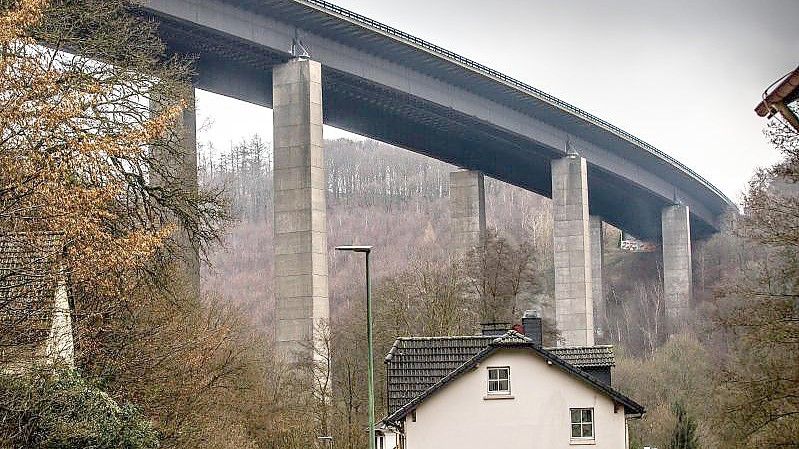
[(371, 368)]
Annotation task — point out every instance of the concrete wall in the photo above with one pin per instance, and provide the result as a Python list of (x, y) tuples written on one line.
[(300, 208), (677, 272), (467, 209), (574, 310), (536, 416)]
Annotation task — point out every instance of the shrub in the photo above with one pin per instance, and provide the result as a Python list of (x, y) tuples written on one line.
[(60, 409)]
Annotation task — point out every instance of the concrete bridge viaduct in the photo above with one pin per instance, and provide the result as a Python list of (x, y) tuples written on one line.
[(365, 77)]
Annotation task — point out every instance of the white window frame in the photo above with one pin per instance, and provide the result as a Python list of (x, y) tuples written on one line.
[(582, 423), (498, 380)]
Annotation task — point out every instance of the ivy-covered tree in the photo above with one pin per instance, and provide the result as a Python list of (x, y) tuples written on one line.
[(55, 410)]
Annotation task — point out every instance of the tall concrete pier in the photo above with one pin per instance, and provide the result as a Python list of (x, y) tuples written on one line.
[(300, 208), (467, 209), (597, 262), (677, 273), (188, 178), (180, 172), (574, 310)]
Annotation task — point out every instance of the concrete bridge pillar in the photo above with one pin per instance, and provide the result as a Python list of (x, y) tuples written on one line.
[(574, 310), (300, 210), (180, 171), (467, 209), (597, 263), (677, 273), (190, 181)]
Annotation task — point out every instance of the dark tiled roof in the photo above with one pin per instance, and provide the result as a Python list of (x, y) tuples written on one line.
[(586, 356), (414, 364), (421, 356), (29, 270)]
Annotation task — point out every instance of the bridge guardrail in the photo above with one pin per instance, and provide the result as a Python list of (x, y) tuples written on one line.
[(485, 70)]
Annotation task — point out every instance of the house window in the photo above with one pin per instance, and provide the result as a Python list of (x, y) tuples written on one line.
[(499, 380), (582, 423), (381, 442)]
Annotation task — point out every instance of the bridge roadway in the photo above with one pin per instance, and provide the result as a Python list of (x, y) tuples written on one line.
[(368, 78), (387, 85)]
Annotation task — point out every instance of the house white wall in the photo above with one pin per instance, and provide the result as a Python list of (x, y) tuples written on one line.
[(60, 347), (389, 440), (459, 416)]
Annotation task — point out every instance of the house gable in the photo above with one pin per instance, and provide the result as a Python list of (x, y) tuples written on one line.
[(536, 412), (513, 339), (415, 364)]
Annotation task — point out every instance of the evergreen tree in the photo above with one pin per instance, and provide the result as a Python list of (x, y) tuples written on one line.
[(684, 434)]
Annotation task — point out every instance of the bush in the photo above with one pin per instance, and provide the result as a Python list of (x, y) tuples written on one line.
[(54, 410)]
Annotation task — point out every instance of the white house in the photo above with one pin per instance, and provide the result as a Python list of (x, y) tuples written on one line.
[(502, 391)]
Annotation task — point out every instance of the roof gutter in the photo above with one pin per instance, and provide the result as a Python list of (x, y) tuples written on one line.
[(777, 101)]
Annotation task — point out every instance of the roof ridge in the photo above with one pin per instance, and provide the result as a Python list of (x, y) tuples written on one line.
[(397, 340), (509, 336), (444, 337), (583, 347)]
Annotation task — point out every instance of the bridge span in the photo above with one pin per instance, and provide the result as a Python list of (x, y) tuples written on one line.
[(374, 80)]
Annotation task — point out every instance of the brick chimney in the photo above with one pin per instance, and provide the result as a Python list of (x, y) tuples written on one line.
[(533, 329)]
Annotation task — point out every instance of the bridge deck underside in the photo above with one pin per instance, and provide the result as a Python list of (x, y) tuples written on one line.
[(239, 69)]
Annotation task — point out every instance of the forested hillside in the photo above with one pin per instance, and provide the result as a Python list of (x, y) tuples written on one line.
[(379, 195), (397, 201)]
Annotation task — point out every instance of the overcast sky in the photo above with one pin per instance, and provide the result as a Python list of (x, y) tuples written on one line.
[(682, 75)]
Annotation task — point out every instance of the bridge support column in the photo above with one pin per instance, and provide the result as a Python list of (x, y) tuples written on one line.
[(677, 273), (574, 310), (300, 210), (190, 181), (467, 209), (597, 263), (179, 171)]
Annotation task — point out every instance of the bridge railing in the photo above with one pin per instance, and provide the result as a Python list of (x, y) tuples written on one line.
[(484, 70)]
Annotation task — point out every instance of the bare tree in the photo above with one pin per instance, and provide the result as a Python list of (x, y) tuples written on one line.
[(502, 278)]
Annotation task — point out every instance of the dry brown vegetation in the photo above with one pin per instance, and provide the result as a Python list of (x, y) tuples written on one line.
[(77, 82)]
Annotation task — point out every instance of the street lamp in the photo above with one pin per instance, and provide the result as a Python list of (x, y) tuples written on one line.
[(371, 368)]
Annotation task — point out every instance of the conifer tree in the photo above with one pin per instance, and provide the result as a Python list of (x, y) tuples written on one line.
[(684, 434)]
